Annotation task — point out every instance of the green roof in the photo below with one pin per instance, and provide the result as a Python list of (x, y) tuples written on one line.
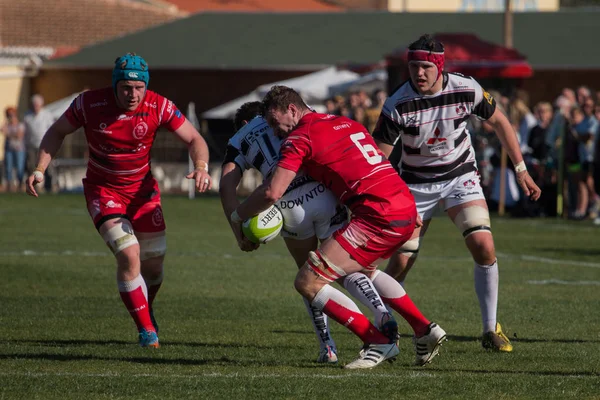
[(268, 41)]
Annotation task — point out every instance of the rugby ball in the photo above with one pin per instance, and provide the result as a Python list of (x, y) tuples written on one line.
[(264, 227)]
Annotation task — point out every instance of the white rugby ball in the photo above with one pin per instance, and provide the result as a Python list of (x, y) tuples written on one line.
[(264, 227)]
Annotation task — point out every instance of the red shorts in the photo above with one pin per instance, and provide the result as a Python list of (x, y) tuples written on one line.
[(369, 239), (141, 206)]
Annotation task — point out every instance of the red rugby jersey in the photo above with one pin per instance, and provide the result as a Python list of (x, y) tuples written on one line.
[(119, 141)]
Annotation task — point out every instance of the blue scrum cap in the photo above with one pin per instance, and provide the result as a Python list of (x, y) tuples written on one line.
[(130, 68)]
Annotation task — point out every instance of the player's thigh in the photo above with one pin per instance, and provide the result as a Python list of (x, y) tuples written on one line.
[(427, 197), (145, 210), (300, 248), (153, 247), (463, 190)]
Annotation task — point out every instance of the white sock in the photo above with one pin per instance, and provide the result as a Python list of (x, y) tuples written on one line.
[(330, 293), (130, 286), (486, 287), (387, 286), (363, 289), (320, 324)]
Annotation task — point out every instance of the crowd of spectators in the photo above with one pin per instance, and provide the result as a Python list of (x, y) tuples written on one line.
[(558, 140), (19, 144)]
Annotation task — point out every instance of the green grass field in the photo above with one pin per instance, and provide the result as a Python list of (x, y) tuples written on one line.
[(232, 326)]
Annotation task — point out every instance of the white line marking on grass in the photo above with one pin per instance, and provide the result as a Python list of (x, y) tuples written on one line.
[(218, 375), (523, 257), (547, 260), (561, 282), (351, 375)]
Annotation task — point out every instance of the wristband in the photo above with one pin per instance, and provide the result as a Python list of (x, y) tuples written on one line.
[(520, 167), (235, 217), (201, 165), (38, 168)]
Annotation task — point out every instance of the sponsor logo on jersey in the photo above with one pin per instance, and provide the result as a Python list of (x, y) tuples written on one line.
[(469, 184), (140, 130), (151, 105), (178, 114), (461, 110), (342, 126), (124, 117), (103, 129), (157, 217), (488, 97), (436, 137), (112, 204), (411, 120), (99, 104), (169, 107)]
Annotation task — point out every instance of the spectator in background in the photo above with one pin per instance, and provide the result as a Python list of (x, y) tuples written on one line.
[(583, 93), (37, 121), (569, 94), (586, 149), (2, 144), (14, 153), (523, 120), (365, 100), (574, 158), (538, 149), (596, 163), (331, 107)]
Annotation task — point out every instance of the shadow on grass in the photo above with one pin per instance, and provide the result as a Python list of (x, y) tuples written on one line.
[(456, 338), (515, 372), (78, 342)]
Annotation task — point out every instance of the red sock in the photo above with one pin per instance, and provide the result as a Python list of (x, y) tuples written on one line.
[(356, 322), (137, 305), (407, 309)]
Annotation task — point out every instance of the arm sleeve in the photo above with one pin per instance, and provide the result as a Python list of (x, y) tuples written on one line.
[(485, 105), (388, 128), (171, 118), (233, 154), (75, 114), (294, 151)]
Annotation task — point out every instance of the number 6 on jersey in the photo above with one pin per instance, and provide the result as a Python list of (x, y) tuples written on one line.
[(367, 150)]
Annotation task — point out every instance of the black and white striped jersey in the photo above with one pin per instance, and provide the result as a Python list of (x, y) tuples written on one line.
[(430, 131), (254, 146)]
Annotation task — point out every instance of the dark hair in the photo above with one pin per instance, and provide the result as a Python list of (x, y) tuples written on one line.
[(246, 112), (280, 97), (427, 42)]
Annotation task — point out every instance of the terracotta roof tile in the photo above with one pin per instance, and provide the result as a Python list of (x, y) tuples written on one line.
[(58, 23)]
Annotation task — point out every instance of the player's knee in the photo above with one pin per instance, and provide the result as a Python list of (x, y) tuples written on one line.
[(153, 247), (410, 248), (474, 219), (120, 237)]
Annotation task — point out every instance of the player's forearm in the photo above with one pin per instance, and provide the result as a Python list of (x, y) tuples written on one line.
[(508, 138), (198, 150), (228, 194), (51, 143), (261, 199)]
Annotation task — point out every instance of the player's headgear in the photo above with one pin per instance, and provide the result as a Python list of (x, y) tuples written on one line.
[(130, 67), (427, 49)]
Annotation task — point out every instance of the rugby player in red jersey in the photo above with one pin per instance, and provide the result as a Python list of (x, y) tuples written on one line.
[(340, 153), (122, 196)]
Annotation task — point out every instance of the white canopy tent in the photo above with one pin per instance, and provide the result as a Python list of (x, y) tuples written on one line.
[(314, 89), (58, 107), (374, 80)]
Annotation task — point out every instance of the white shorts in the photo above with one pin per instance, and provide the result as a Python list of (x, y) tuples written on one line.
[(453, 192), (311, 210)]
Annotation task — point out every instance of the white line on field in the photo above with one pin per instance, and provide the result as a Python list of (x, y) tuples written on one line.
[(217, 375), (561, 282), (69, 253), (547, 260), (410, 374)]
